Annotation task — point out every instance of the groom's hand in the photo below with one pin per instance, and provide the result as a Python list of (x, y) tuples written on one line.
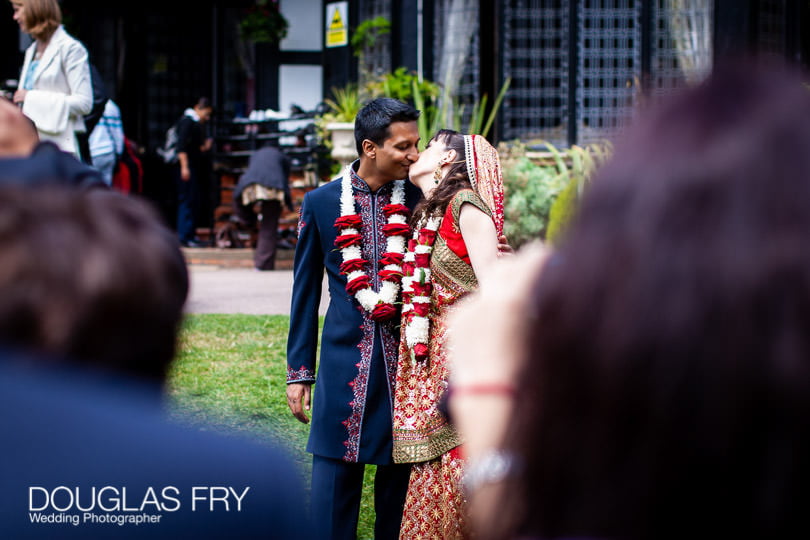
[(503, 246), (298, 399)]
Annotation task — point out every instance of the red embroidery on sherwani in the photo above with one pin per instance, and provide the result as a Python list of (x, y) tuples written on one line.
[(301, 222), (301, 374), (359, 388)]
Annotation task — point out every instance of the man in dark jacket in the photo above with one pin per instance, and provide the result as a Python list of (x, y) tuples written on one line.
[(352, 423), (191, 145), (264, 186)]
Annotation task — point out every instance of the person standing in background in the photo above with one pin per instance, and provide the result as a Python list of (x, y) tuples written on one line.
[(55, 86), (263, 188), (191, 146), (107, 141)]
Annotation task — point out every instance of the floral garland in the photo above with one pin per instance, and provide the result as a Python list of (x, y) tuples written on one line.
[(380, 305), (416, 288)]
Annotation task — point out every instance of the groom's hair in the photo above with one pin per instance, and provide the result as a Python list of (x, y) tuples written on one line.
[(376, 116)]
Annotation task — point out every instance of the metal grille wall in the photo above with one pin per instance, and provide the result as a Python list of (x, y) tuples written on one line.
[(600, 47), (536, 57), (609, 72), (179, 63), (378, 57), (681, 43)]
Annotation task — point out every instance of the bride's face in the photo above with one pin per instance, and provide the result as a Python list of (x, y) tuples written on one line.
[(430, 158)]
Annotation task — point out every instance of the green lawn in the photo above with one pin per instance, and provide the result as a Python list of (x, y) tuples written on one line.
[(230, 374)]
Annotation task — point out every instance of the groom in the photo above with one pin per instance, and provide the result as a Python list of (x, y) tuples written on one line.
[(353, 228)]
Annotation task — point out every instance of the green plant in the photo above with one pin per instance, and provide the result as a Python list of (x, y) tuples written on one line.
[(433, 115), (533, 188), (263, 23), (428, 121), (366, 34), (584, 162), (562, 211), (479, 111), (345, 105), (402, 84), (530, 190), (343, 108), (364, 38)]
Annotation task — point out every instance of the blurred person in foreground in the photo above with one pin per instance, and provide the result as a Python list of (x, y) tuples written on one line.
[(654, 380), (27, 161), (93, 288)]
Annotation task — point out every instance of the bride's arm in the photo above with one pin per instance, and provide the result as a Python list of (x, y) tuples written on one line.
[(481, 240)]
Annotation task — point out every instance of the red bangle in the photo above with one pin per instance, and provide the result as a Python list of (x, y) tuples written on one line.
[(504, 389)]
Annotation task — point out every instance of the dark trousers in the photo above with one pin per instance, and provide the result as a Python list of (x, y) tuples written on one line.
[(336, 491), (264, 257), (186, 201)]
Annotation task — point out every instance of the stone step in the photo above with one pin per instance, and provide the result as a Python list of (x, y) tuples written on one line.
[(234, 257)]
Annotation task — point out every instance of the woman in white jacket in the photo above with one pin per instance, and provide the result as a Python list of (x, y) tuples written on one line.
[(55, 89)]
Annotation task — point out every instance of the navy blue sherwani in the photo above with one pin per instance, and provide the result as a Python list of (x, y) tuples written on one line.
[(352, 404)]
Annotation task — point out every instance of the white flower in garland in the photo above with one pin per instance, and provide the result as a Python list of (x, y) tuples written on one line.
[(380, 304), (416, 288)]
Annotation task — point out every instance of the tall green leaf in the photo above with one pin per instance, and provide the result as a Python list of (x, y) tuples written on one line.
[(422, 121), (496, 106)]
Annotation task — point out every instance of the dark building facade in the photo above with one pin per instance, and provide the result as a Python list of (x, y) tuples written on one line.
[(577, 67)]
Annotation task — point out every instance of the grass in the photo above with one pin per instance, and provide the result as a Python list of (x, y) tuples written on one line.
[(230, 374)]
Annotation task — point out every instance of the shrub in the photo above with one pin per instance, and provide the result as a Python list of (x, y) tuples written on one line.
[(562, 211), (542, 195)]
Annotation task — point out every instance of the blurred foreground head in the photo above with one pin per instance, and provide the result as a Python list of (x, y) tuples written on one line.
[(89, 277), (18, 134), (668, 388)]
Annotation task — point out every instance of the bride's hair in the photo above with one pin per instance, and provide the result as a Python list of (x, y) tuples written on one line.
[(455, 180)]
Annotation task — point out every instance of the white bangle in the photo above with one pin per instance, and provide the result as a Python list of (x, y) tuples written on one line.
[(494, 466)]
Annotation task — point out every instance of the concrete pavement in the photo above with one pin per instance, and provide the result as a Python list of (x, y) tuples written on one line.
[(223, 289)]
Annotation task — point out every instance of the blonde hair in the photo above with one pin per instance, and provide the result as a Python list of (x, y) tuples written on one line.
[(41, 17)]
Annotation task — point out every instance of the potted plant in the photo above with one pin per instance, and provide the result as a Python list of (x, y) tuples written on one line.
[(263, 23), (339, 122)]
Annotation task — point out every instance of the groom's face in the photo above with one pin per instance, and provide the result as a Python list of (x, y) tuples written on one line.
[(396, 154)]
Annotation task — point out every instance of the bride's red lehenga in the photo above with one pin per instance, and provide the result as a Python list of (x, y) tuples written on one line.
[(422, 436)]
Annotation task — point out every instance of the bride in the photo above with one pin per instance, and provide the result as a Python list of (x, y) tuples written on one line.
[(455, 240)]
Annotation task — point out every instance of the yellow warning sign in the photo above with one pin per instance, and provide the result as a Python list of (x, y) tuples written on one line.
[(337, 31), (337, 22)]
